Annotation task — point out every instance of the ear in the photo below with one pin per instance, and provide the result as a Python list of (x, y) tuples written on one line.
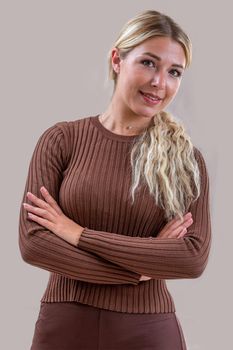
[(116, 60)]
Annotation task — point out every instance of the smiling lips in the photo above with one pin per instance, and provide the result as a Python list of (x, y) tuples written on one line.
[(148, 97)]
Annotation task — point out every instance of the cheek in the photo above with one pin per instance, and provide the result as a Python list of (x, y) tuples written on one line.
[(173, 88), (130, 86), (135, 78)]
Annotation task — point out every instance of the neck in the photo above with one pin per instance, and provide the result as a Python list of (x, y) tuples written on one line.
[(121, 122)]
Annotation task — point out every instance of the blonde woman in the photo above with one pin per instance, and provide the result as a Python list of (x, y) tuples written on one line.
[(117, 203)]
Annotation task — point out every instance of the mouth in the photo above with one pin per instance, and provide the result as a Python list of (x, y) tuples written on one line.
[(151, 98)]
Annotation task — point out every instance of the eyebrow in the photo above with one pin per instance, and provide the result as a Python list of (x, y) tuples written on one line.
[(159, 59)]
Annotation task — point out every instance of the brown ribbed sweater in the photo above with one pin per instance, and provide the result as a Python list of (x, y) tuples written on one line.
[(86, 168)]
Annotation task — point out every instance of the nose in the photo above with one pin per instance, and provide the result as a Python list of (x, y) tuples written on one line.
[(159, 80)]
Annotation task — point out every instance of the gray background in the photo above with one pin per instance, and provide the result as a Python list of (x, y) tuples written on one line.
[(53, 68)]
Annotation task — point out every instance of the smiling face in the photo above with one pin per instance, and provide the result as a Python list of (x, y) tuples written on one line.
[(149, 77)]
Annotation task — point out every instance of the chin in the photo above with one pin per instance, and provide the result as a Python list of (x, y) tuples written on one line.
[(148, 114)]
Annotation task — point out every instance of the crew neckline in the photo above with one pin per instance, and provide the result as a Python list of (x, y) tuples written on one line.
[(127, 138)]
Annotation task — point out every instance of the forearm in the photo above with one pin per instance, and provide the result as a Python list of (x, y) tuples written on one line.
[(161, 258), (43, 249), (155, 257)]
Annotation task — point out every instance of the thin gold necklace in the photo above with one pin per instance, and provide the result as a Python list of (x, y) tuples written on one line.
[(128, 127)]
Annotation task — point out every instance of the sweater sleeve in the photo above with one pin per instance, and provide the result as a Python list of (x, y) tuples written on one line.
[(41, 247), (156, 257)]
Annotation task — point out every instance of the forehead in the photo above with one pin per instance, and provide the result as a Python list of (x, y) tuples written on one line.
[(164, 47)]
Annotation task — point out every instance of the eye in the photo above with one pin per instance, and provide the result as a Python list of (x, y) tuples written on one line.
[(176, 73), (147, 63)]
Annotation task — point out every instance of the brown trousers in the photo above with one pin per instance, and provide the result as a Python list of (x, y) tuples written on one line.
[(76, 326)]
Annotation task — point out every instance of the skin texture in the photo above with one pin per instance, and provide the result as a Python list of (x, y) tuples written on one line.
[(136, 72), (48, 214)]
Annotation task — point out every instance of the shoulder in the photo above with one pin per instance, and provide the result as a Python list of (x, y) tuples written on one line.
[(201, 162), (67, 130), (199, 156), (69, 126), (60, 138)]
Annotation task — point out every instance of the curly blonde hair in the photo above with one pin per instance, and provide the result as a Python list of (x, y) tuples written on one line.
[(163, 156)]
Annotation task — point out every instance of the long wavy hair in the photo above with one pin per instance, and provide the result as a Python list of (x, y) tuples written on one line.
[(163, 156)]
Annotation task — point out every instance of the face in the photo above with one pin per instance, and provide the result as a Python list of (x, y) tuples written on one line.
[(149, 77)]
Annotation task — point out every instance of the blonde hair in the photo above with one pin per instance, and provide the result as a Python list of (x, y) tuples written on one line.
[(163, 156), (144, 26)]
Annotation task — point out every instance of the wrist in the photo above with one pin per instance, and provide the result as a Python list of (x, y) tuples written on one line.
[(78, 234)]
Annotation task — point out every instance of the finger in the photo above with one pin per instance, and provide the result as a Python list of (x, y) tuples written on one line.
[(182, 221), (43, 222), (38, 211), (183, 233), (180, 230), (175, 229), (175, 223), (49, 199), (170, 233), (34, 199), (188, 222), (177, 232), (40, 202), (184, 227)]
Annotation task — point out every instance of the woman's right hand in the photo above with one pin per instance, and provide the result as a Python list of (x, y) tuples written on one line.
[(175, 228)]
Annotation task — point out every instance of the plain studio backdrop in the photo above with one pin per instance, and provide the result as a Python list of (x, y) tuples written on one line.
[(54, 68)]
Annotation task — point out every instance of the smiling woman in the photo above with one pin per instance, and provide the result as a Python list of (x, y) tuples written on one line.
[(149, 76), (164, 154), (126, 205)]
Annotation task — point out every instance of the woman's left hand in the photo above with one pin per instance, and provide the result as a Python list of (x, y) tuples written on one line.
[(48, 214)]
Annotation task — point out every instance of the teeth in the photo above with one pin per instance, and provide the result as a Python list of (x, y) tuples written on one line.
[(152, 98)]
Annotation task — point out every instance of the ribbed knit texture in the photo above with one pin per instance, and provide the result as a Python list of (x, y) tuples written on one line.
[(86, 168)]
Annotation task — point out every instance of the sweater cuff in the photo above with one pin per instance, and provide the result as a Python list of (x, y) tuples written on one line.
[(84, 244)]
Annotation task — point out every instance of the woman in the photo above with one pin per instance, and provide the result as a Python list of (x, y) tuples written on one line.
[(117, 203)]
